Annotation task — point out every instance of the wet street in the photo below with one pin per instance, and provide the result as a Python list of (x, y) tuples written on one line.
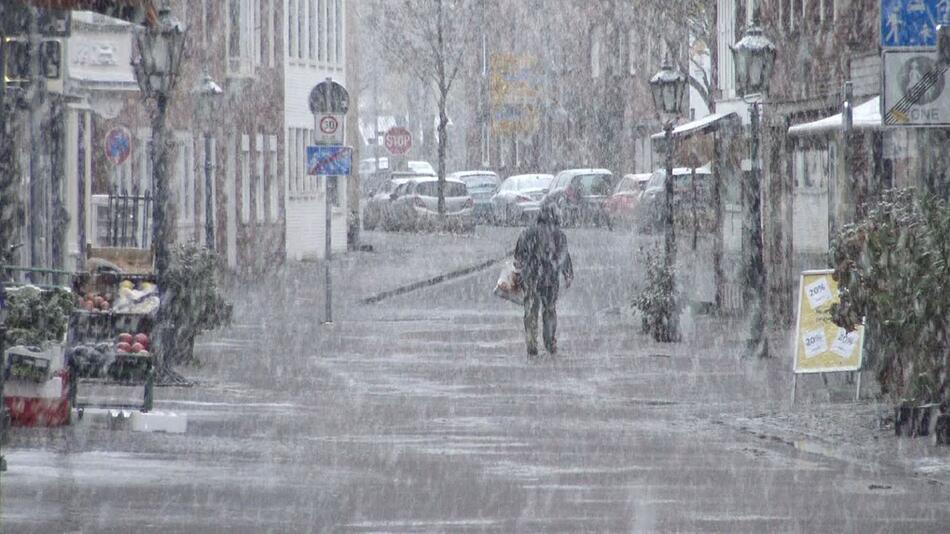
[(420, 413)]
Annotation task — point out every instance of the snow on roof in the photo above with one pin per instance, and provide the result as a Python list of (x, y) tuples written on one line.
[(865, 116), (698, 125)]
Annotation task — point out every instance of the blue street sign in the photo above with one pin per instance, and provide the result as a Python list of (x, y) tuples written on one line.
[(329, 160), (912, 23)]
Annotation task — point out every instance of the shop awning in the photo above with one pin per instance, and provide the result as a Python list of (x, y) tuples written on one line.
[(699, 126), (866, 116), (134, 11)]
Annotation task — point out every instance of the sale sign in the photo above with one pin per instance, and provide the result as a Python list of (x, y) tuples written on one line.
[(820, 345)]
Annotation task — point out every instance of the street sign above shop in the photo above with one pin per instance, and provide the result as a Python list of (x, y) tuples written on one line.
[(912, 23), (916, 89)]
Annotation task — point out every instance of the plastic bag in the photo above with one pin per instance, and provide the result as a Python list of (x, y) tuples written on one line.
[(509, 286)]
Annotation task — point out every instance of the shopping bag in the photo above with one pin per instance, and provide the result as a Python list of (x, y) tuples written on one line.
[(508, 286)]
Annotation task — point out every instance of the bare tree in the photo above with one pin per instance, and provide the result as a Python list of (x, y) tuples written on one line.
[(688, 30), (429, 39)]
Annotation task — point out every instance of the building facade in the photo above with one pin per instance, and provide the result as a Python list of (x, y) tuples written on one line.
[(265, 55)]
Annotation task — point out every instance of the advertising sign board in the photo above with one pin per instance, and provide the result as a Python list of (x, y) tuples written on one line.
[(821, 346)]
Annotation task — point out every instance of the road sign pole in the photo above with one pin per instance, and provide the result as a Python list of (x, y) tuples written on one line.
[(328, 100)]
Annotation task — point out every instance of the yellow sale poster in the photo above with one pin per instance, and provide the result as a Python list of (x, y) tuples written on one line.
[(820, 345)]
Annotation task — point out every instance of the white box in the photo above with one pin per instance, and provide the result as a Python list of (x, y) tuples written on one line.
[(170, 422)]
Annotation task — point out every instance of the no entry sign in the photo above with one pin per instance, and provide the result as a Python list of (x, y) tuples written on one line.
[(398, 140)]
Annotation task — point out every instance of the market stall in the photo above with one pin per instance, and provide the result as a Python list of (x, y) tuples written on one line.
[(111, 326)]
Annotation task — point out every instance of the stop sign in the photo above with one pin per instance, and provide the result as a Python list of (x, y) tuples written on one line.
[(398, 140)]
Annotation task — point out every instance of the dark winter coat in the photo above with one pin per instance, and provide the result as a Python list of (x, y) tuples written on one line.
[(542, 253)]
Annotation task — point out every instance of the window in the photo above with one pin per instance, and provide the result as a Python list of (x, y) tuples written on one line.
[(292, 28), (260, 156), (333, 189), (245, 178), (596, 45), (273, 176), (244, 36), (339, 31), (303, 28), (312, 18), (322, 28), (185, 179)]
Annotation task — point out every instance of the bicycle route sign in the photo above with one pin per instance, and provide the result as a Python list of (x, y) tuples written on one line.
[(912, 23)]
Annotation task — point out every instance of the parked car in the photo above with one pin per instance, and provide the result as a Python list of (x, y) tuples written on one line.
[(481, 185), (622, 205), (376, 209), (580, 193), (421, 167), (415, 206), (689, 197), (518, 200)]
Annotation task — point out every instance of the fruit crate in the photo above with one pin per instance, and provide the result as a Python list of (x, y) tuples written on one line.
[(26, 367)]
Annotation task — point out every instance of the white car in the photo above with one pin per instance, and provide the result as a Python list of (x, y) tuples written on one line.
[(481, 185), (518, 200), (417, 207)]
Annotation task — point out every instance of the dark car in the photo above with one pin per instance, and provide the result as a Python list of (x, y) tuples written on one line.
[(580, 193), (692, 197)]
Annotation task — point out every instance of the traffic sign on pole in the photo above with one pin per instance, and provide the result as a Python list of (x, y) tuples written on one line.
[(329, 160), (912, 23), (916, 89), (398, 140), (329, 129), (118, 145)]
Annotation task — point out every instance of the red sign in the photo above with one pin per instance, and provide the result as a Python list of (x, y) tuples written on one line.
[(118, 145), (329, 124), (398, 140)]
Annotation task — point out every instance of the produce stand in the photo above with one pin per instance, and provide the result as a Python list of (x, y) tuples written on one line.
[(34, 377), (110, 328)]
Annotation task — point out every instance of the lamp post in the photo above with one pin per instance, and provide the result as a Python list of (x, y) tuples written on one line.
[(754, 57), (209, 94), (160, 47), (668, 87)]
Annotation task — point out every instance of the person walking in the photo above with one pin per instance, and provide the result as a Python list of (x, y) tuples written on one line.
[(542, 257)]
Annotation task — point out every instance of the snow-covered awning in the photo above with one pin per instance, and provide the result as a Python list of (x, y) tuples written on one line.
[(707, 123), (866, 116)]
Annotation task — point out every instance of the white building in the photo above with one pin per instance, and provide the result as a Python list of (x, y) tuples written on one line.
[(315, 49)]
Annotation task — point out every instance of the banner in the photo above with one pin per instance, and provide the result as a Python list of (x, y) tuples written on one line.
[(820, 345)]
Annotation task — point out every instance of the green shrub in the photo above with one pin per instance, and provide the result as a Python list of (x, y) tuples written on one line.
[(35, 316), (194, 304), (658, 303), (893, 267)]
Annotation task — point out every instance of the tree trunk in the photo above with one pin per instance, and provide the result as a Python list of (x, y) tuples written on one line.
[(443, 123)]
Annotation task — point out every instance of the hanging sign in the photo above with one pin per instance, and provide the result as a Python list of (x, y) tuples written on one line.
[(820, 346)]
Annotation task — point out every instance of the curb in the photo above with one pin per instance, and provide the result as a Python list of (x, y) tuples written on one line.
[(435, 280)]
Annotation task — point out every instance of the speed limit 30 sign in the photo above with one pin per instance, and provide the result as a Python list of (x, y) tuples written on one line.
[(329, 129)]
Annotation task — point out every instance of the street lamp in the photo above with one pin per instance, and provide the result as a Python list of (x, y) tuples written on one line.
[(160, 47), (754, 57), (668, 87), (209, 94)]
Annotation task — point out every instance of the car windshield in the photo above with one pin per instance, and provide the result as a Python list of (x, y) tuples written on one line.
[(594, 184), (526, 183), (626, 185), (431, 189), (480, 181)]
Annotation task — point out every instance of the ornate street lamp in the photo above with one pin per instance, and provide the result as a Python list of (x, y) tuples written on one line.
[(209, 94), (160, 48), (668, 87), (754, 57)]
